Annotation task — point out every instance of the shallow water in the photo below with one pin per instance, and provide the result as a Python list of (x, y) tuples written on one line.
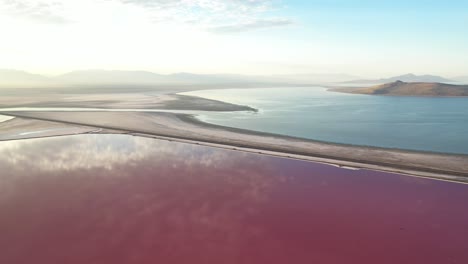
[(414, 123), (123, 199)]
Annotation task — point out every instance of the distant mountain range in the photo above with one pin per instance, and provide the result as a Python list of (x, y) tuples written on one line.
[(110, 77), (14, 78), (405, 78), (21, 78), (401, 88)]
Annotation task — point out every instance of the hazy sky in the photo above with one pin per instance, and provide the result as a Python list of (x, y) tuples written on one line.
[(366, 38)]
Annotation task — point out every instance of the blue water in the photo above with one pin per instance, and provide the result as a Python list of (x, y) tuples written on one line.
[(413, 123)]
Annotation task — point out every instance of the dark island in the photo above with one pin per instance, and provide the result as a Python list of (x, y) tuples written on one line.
[(400, 88)]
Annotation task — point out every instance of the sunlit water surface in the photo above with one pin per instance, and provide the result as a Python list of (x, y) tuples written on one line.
[(414, 123), (123, 199)]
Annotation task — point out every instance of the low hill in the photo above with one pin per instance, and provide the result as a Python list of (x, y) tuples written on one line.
[(410, 89), (405, 78)]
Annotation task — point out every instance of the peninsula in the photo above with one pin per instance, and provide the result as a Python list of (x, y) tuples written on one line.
[(400, 88)]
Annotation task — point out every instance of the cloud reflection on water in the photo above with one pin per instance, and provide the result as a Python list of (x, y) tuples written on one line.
[(123, 199), (102, 152), (118, 187)]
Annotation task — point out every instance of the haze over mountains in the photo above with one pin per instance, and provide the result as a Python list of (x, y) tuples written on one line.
[(20, 79), (406, 78), (14, 78)]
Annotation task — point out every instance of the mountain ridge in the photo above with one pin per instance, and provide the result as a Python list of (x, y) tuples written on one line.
[(400, 88), (124, 77), (16, 78), (410, 77)]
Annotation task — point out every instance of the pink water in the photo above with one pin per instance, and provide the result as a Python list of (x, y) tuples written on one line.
[(122, 199)]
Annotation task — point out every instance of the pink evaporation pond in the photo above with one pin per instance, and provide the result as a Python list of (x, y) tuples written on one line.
[(121, 199)]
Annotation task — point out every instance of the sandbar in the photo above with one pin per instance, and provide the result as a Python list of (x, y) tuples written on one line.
[(186, 128)]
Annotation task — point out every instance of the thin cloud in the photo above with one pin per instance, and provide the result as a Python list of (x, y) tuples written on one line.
[(39, 11), (211, 5), (254, 25), (220, 16)]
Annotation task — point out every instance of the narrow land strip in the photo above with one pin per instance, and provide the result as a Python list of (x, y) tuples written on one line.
[(186, 128)]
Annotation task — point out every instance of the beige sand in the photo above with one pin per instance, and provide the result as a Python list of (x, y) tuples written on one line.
[(185, 128), (119, 101), (19, 128)]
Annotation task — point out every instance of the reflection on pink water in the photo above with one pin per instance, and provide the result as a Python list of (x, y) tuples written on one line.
[(122, 199)]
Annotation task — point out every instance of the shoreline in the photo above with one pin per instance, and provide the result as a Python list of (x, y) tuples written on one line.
[(175, 102), (18, 128), (352, 90), (322, 160), (395, 95), (180, 127), (193, 119)]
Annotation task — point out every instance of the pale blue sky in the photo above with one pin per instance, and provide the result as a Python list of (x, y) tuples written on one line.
[(365, 38)]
